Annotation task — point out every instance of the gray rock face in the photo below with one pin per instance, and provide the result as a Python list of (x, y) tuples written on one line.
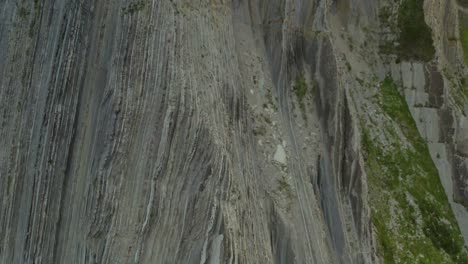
[(127, 135), (207, 131)]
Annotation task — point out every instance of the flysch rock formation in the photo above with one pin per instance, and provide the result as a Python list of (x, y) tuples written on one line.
[(243, 131)]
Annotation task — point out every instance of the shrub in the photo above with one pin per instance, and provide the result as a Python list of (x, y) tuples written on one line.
[(415, 36)]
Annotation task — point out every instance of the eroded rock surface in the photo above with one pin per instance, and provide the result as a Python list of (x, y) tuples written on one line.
[(214, 131)]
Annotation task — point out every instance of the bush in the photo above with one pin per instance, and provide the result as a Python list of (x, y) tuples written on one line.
[(415, 36)]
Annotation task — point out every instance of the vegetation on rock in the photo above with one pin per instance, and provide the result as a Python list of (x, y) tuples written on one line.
[(410, 210), (134, 7), (300, 88), (464, 36), (413, 36)]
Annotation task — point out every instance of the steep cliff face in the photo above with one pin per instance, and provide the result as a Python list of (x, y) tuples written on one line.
[(281, 131), (406, 76)]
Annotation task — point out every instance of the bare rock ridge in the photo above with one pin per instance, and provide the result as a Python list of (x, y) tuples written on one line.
[(214, 131)]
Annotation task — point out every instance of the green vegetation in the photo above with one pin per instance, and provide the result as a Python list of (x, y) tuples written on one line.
[(464, 36), (464, 88), (414, 36), (270, 101), (35, 16), (134, 7), (285, 188), (410, 210), (300, 88), (385, 14), (23, 12), (395, 106), (461, 94)]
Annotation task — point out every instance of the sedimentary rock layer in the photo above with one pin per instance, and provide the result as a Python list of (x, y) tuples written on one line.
[(209, 131)]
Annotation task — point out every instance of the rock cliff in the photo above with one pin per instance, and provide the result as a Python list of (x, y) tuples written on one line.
[(242, 131)]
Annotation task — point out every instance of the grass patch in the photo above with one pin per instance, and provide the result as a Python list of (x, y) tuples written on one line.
[(387, 47), (134, 7), (285, 188), (385, 14), (300, 88), (395, 106), (35, 13), (464, 36), (415, 38), (410, 211)]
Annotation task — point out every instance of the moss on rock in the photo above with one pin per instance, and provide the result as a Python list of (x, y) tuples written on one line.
[(415, 36), (410, 211)]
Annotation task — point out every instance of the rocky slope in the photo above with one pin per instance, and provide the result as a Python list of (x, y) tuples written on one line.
[(214, 131)]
